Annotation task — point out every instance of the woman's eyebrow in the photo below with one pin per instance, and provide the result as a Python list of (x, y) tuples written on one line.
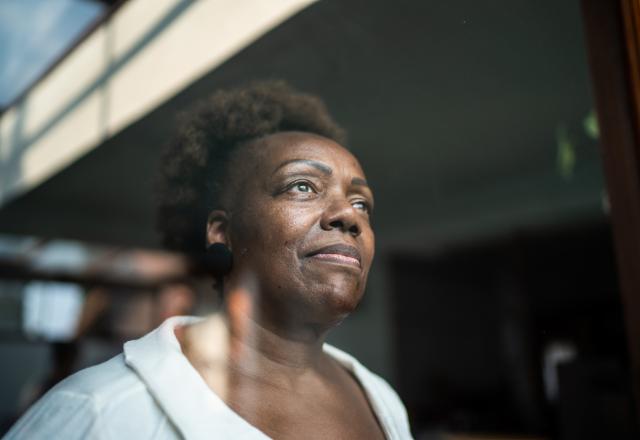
[(318, 165), (359, 181)]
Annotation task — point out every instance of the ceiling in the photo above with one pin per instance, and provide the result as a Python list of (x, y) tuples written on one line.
[(454, 107)]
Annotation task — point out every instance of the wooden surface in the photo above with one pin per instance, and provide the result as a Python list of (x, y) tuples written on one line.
[(612, 39), (631, 20)]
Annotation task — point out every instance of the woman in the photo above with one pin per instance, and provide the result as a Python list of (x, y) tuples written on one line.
[(260, 173)]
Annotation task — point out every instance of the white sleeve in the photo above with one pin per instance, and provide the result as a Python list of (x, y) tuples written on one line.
[(59, 414), (394, 408)]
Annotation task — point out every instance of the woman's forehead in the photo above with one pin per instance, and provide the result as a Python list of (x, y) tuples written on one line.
[(285, 148)]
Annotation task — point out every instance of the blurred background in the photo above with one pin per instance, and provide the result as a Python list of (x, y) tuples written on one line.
[(493, 306)]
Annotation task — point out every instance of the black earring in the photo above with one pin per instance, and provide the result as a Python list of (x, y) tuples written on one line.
[(219, 260)]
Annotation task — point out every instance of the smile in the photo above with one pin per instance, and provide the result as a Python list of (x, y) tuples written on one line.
[(338, 258), (339, 254)]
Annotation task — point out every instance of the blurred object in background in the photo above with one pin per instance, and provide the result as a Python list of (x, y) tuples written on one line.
[(555, 354), (90, 300), (489, 317), (177, 299), (52, 310)]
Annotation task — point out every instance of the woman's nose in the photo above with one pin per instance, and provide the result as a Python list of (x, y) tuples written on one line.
[(341, 215)]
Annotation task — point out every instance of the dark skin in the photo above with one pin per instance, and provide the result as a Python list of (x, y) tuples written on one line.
[(297, 219)]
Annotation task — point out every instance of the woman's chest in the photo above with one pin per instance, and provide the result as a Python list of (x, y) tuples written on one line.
[(318, 415)]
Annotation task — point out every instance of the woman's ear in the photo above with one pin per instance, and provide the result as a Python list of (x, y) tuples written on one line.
[(218, 228)]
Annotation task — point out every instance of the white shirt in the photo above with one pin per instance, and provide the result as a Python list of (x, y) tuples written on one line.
[(151, 391)]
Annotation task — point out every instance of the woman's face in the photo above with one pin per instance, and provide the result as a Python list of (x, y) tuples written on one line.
[(299, 226)]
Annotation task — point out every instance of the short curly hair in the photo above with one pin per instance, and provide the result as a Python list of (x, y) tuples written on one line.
[(193, 168)]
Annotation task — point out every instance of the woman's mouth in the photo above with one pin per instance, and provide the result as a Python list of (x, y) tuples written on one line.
[(339, 254), (338, 258)]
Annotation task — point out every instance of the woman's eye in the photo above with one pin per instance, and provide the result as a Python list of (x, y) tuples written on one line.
[(303, 187), (363, 206)]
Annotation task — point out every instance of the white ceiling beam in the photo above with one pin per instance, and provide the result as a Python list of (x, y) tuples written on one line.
[(144, 54)]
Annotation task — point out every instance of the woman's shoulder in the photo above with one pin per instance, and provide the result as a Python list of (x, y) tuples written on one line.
[(372, 382), (383, 398), (103, 382), (90, 403)]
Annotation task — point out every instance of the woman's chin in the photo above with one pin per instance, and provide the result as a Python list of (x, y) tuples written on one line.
[(340, 301)]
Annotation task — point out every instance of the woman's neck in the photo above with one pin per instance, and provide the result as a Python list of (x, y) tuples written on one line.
[(245, 346), (261, 344)]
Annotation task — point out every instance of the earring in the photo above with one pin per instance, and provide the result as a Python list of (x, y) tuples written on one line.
[(219, 260)]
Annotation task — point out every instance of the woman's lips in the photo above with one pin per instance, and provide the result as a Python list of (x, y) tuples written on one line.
[(338, 253), (337, 258)]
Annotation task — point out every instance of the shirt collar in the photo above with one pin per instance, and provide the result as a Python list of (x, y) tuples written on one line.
[(178, 388), (191, 405)]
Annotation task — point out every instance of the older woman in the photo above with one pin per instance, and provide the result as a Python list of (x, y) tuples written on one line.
[(260, 174)]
